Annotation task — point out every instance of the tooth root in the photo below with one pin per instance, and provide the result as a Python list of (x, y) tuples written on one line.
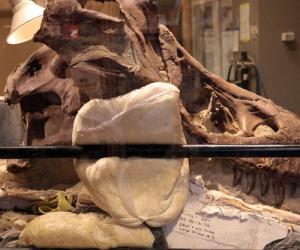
[(237, 176), (279, 193), (292, 189), (264, 184), (249, 184)]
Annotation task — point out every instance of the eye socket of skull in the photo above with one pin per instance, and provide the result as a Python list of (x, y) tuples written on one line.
[(35, 109), (36, 103)]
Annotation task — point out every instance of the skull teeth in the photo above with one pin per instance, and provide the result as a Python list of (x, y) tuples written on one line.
[(249, 184), (248, 180), (292, 189), (237, 176), (279, 193), (264, 183)]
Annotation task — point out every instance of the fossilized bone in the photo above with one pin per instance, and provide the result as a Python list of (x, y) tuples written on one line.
[(100, 56), (48, 103)]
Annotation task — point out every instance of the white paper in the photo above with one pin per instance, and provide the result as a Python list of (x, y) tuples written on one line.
[(236, 41), (214, 225), (245, 22), (227, 45), (209, 53)]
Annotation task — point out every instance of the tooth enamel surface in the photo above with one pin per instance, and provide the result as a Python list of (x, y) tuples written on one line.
[(135, 190)]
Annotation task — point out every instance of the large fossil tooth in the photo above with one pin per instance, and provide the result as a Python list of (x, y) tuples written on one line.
[(237, 176), (292, 189), (249, 184), (264, 183), (279, 193)]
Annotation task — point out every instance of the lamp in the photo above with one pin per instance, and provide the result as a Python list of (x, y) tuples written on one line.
[(27, 18)]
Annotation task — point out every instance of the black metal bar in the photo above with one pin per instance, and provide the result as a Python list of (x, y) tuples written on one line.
[(150, 151)]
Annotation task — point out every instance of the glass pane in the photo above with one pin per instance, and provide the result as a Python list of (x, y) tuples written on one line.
[(146, 124)]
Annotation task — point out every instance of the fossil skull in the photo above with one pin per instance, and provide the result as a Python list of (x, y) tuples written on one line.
[(95, 55)]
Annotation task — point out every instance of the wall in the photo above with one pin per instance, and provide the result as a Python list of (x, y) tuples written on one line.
[(10, 55), (279, 62)]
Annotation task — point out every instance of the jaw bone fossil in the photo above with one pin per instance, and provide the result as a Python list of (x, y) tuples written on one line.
[(101, 56)]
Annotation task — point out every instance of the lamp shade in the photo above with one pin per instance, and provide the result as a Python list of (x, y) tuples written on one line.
[(27, 18)]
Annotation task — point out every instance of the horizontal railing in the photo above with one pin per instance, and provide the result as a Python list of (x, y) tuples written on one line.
[(150, 151)]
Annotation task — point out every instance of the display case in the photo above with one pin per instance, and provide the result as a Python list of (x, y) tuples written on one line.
[(115, 136)]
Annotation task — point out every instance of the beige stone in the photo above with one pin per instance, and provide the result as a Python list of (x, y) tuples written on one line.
[(91, 230)]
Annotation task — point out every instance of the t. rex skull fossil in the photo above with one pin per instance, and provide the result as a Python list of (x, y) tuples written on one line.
[(100, 56)]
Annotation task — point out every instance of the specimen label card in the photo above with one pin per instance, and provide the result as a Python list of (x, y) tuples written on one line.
[(209, 225)]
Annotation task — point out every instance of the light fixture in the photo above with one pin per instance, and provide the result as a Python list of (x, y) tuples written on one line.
[(27, 18)]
